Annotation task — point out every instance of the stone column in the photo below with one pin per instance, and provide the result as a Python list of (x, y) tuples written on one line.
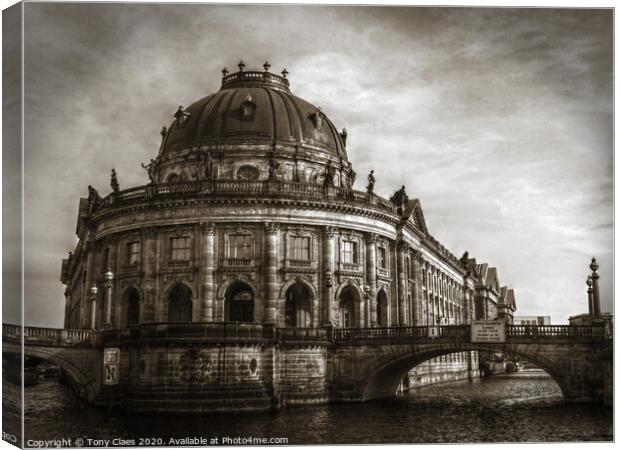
[(108, 298), (68, 309), (596, 302), (590, 299), (271, 275), (371, 275), (89, 255), (93, 307), (206, 275), (329, 262), (149, 263), (402, 283)]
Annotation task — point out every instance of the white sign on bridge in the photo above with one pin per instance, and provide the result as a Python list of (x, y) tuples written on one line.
[(488, 331), (111, 360)]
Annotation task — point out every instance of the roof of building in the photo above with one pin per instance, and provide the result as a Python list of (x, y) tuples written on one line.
[(276, 117)]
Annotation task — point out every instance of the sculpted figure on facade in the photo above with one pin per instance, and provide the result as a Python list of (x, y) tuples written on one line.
[(371, 182), (151, 169), (114, 182)]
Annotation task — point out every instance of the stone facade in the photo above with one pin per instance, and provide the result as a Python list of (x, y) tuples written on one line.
[(250, 216)]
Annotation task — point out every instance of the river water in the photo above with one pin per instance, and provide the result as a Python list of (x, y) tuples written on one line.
[(527, 406)]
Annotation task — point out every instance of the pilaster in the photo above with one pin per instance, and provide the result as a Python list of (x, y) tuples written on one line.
[(206, 275), (271, 274), (371, 275)]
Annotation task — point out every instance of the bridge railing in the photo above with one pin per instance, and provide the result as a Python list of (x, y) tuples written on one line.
[(50, 335), (535, 331), (420, 332)]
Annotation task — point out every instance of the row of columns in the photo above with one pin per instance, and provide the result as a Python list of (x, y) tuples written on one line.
[(405, 308)]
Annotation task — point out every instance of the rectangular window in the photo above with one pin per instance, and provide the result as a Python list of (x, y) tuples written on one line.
[(300, 248), (133, 253), (180, 249), (381, 258), (349, 252), (240, 246), (106, 259)]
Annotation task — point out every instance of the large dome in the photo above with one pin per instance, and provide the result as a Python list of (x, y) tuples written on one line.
[(253, 107)]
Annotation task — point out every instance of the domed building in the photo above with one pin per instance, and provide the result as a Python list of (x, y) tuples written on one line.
[(250, 220)]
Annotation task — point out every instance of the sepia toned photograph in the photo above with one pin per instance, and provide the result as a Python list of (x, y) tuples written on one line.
[(301, 224)]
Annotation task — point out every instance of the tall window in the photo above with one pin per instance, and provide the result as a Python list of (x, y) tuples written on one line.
[(300, 247), (133, 253), (381, 258), (106, 259), (349, 252), (240, 246), (180, 249)]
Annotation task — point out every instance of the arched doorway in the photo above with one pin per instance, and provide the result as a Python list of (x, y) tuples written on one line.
[(348, 298), (239, 303), (297, 306), (382, 309), (131, 307), (180, 304)]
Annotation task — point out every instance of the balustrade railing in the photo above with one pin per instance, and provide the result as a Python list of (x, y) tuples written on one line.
[(548, 331), (241, 187), (50, 335)]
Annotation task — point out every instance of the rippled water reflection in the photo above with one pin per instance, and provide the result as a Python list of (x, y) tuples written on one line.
[(524, 407)]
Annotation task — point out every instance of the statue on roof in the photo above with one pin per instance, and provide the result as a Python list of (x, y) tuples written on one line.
[(114, 182), (273, 168), (371, 182), (400, 197), (464, 259), (151, 169), (93, 198), (206, 168), (328, 179)]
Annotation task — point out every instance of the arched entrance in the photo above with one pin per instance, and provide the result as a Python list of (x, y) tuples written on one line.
[(180, 304), (346, 307), (297, 306), (382, 309), (239, 303), (130, 309)]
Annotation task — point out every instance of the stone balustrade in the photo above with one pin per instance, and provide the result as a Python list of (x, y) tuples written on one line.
[(280, 189)]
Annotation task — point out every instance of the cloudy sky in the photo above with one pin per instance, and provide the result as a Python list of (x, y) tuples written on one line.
[(498, 120)]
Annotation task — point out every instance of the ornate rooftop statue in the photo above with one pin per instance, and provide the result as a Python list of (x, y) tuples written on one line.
[(114, 182), (371, 182)]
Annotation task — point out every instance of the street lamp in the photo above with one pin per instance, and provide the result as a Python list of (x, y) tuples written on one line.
[(93, 311), (109, 276)]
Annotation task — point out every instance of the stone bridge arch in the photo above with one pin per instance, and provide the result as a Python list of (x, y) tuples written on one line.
[(366, 372), (79, 364)]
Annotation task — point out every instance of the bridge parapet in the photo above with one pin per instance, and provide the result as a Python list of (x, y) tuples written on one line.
[(461, 333), (49, 336)]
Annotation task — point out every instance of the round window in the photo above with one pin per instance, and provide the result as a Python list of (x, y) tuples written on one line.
[(248, 173)]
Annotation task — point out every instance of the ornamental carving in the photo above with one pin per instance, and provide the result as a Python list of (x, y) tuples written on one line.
[(207, 228), (195, 367), (330, 232), (271, 228)]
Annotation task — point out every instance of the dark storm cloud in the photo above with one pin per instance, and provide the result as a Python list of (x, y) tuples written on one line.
[(499, 120)]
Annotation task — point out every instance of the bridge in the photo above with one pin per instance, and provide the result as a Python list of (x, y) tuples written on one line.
[(298, 365)]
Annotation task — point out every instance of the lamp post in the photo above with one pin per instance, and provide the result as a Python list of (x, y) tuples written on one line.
[(109, 276), (93, 306)]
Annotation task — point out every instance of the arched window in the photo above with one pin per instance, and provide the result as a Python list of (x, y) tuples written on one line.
[(348, 298), (133, 308), (297, 306), (173, 178), (130, 307), (239, 303), (180, 304), (382, 309)]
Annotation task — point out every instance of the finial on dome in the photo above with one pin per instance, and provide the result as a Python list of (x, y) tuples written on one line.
[(284, 72), (241, 65), (164, 132), (224, 71), (266, 66)]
